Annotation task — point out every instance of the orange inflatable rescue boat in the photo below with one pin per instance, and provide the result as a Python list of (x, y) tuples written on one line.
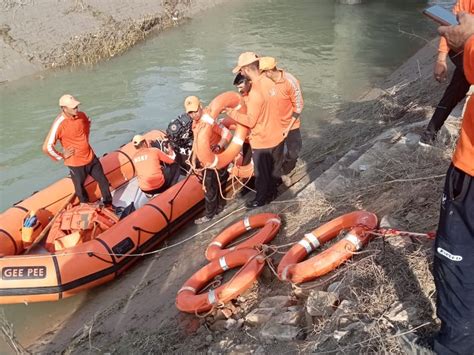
[(87, 245)]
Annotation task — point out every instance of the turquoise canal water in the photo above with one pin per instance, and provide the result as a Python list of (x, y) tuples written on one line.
[(336, 51)]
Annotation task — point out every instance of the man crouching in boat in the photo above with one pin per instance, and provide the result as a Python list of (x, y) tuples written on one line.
[(72, 128), (153, 178)]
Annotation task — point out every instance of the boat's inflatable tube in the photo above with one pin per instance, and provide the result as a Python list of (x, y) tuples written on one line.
[(189, 300), (49, 277), (292, 268), (206, 156), (268, 222)]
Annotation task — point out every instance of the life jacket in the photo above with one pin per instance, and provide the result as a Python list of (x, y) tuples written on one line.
[(79, 224)]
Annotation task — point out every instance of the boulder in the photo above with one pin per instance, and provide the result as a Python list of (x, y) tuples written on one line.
[(277, 302), (321, 303), (259, 316), (280, 332), (289, 317)]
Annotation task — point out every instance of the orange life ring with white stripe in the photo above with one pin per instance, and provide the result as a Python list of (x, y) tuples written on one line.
[(292, 268), (268, 222), (206, 156), (190, 301)]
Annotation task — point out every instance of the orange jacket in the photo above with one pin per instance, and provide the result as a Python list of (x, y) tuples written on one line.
[(290, 99), (262, 117), (147, 162), (461, 5), (464, 154), (71, 133)]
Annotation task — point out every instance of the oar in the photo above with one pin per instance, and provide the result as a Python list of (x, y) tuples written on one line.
[(46, 229)]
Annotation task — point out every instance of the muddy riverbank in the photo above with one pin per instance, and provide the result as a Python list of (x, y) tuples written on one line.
[(48, 34)]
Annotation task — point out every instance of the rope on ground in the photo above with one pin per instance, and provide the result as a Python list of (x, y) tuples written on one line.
[(392, 232)]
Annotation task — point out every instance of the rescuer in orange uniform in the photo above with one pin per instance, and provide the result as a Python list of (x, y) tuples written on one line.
[(213, 201), (457, 88), (454, 246), (72, 128), (266, 131), (153, 177), (290, 105)]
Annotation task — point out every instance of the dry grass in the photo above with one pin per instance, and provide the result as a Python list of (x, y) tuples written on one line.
[(114, 38)]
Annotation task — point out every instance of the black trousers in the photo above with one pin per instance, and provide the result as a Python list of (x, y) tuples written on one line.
[(267, 169), (454, 93), (171, 175), (213, 201), (293, 145), (94, 169), (453, 267)]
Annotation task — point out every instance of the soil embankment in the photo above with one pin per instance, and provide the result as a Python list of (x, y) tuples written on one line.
[(388, 288), (48, 34)]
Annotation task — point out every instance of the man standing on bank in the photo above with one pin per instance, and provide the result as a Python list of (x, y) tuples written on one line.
[(454, 245), (266, 132), (457, 88), (290, 105), (72, 128), (214, 202)]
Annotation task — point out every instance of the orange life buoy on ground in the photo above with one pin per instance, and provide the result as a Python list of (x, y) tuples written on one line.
[(188, 299), (290, 267), (204, 153), (269, 221)]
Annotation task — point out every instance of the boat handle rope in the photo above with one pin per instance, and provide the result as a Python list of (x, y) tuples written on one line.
[(92, 254), (171, 202)]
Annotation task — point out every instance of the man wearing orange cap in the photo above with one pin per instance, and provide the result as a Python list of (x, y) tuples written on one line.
[(72, 128), (454, 245), (266, 132), (153, 178), (213, 200), (290, 103)]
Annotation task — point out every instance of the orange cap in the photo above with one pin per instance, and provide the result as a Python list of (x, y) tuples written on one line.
[(191, 104), (245, 58), (138, 139), (267, 63), (68, 101)]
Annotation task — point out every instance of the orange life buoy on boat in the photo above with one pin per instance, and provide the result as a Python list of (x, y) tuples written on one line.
[(269, 221), (206, 156), (292, 269), (190, 301)]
